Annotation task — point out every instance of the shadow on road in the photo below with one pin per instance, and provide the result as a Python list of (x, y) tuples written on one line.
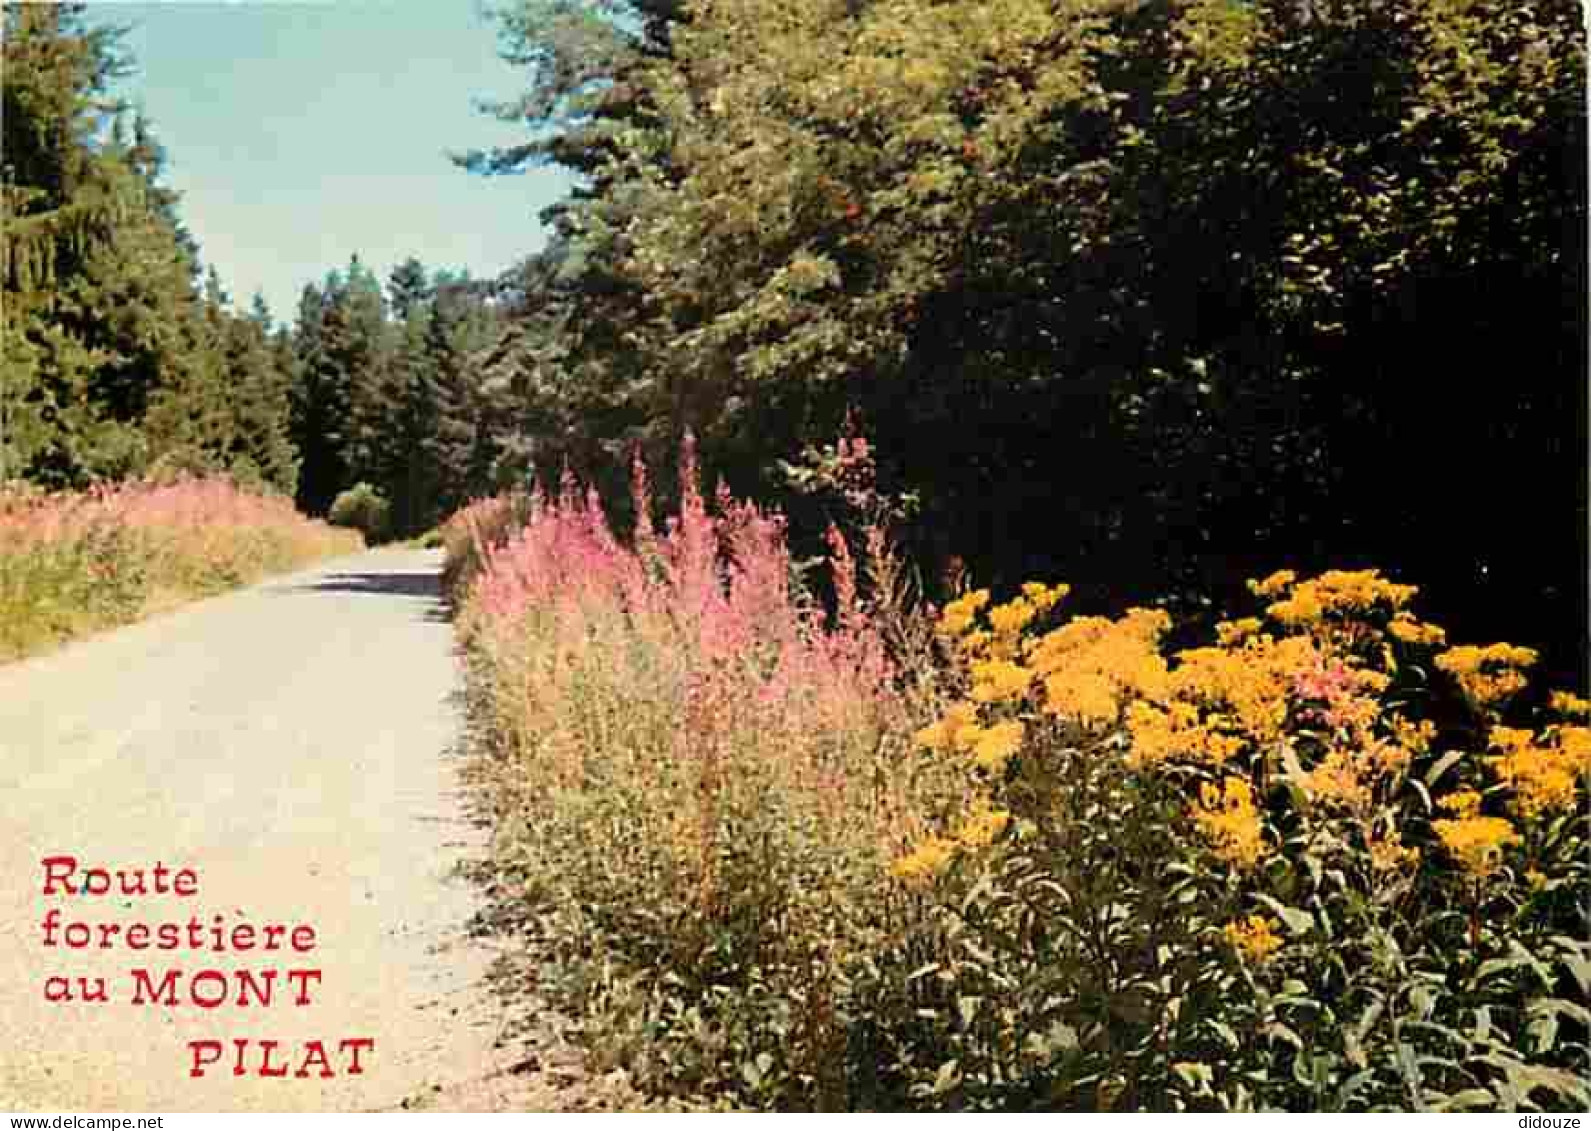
[(421, 584)]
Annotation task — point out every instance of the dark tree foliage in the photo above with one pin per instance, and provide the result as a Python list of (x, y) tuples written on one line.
[(1175, 295), (388, 392), (119, 358)]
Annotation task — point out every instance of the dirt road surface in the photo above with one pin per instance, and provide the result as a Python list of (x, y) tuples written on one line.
[(291, 743)]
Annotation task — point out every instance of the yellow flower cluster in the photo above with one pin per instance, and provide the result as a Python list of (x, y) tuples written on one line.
[(1253, 681), (1277, 582), (1254, 938), (934, 855), (1416, 737), (1542, 773), (984, 826), (958, 730), (1462, 803), (1339, 780), (1006, 621), (959, 615), (996, 745), (990, 746), (1228, 819), (1044, 597), (1411, 631), (923, 863), (1352, 777), (1487, 675), (1388, 853), (1310, 692), (1233, 632), (1569, 705), (1337, 591), (1476, 842), (1175, 730), (998, 681), (1089, 664)]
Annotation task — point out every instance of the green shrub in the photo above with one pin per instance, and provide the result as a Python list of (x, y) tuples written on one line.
[(364, 509)]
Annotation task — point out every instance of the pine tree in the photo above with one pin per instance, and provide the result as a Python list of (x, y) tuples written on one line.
[(262, 451), (59, 201), (319, 402)]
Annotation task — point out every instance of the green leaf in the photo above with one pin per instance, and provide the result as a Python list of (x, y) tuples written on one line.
[(968, 1007), (1353, 1041), (1555, 1005), (1225, 1032), (1297, 922), (1196, 1074), (1576, 963), (1351, 1086), (947, 1078), (1470, 1099), (1279, 1032), (1441, 766)]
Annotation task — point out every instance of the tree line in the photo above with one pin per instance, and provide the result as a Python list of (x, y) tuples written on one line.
[(1149, 295), (123, 355)]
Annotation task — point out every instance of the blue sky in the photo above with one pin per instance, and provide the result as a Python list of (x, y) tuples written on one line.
[(302, 132)]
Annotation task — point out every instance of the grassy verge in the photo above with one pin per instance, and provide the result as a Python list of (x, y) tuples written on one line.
[(73, 564), (997, 858)]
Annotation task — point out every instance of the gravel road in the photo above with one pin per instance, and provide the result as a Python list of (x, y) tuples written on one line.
[(290, 744)]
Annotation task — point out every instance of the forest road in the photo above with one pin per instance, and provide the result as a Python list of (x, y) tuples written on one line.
[(293, 745)]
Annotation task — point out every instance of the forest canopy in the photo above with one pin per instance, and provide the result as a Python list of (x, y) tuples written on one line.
[(1146, 295)]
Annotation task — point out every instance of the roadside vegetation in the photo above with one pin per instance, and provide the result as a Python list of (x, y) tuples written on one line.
[(1005, 856), (72, 563)]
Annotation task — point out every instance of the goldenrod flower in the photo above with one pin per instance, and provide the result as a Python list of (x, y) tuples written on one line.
[(1543, 776), (1411, 631), (1084, 696), (1487, 675), (1253, 681), (956, 730), (1569, 705), (1416, 737), (1227, 817), (1337, 591), (995, 681), (1477, 843), (1254, 938), (1339, 781), (1388, 853), (1230, 632), (1042, 597), (960, 613), (1090, 664), (973, 643), (1575, 743), (1461, 803), (995, 745), (1303, 607), (983, 827), (1273, 584), (1012, 617), (924, 862)]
